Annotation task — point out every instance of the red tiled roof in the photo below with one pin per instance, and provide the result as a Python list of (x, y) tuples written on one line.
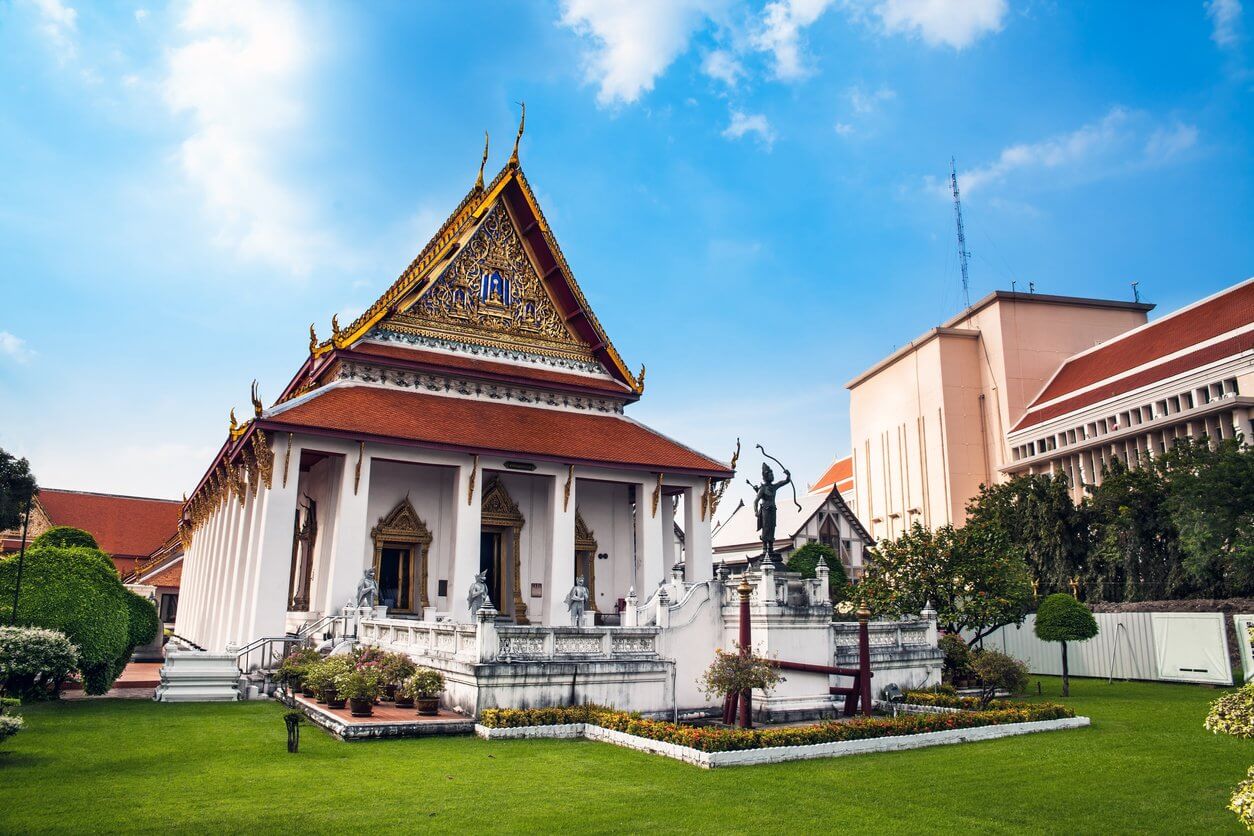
[(170, 577), (1178, 365), (841, 471), (1174, 332), (460, 362), (124, 526), (478, 425)]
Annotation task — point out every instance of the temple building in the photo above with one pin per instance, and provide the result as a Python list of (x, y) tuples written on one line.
[(471, 421)]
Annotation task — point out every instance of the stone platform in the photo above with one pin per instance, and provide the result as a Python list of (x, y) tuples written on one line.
[(387, 721)]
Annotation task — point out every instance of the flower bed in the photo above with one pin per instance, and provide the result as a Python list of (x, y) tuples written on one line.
[(721, 739)]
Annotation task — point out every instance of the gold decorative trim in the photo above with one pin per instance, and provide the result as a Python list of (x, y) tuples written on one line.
[(499, 509), (403, 525), (474, 473), (586, 543), (570, 477), (313, 339), (705, 497), (513, 158), (361, 454), (256, 399), (657, 494), (482, 163), (287, 458), (716, 495)]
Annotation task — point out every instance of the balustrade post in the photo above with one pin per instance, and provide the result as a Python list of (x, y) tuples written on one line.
[(864, 658), (630, 618), (487, 640)]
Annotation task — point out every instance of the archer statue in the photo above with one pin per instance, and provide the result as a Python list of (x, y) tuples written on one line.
[(764, 504)]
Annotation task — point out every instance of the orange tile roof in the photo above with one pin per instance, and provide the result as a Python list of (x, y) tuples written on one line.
[(1173, 333), (841, 471), (170, 577), (444, 361), (486, 426), (124, 526)]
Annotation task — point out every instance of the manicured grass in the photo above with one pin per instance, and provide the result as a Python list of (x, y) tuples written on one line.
[(1145, 765)]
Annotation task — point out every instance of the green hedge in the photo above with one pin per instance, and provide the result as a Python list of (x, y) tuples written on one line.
[(65, 537), (75, 591), (722, 739), (144, 621)]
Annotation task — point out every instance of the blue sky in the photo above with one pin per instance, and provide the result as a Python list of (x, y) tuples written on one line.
[(751, 194)]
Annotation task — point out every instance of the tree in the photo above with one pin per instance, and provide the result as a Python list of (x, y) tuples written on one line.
[(973, 578), (1036, 516), (1135, 554), (1061, 618), (76, 592), (997, 671), (17, 487), (806, 561), (1210, 495), (66, 537)]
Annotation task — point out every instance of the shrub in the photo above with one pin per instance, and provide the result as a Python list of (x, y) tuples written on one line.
[(957, 662), (34, 661), (997, 671), (321, 675), (296, 665), (424, 683), (1242, 802), (1233, 713), (1061, 618), (396, 668), (360, 683), (9, 726), (77, 592), (731, 673), (806, 561), (144, 622), (65, 537)]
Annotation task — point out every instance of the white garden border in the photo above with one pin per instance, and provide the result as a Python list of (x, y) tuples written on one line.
[(777, 754)]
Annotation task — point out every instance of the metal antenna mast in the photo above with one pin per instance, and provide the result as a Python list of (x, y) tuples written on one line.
[(963, 255)]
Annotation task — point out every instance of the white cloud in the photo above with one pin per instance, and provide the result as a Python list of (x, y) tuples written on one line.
[(843, 128), (241, 78), (721, 65), (780, 34), (634, 41), (141, 15), (743, 124), (14, 348), (955, 23), (864, 102), (58, 23), (1119, 141), (1225, 19)]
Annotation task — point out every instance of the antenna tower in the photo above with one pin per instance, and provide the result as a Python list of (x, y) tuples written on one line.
[(963, 255)]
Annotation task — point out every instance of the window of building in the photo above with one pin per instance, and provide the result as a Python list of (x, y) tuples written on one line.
[(169, 606)]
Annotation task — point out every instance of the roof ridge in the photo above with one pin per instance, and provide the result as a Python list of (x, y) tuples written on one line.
[(110, 495)]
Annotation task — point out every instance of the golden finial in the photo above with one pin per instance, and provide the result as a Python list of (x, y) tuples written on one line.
[(335, 330), (234, 422), (256, 400), (513, 158), (640, 380), (313, 339), (482, 163)]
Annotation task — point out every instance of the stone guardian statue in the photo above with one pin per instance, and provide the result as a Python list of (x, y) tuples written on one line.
[(577, 602), (478, 597), (368, 590)]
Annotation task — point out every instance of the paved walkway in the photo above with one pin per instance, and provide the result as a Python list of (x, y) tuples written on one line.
[(138, 682)]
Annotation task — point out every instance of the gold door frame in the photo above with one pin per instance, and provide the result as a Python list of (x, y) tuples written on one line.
[(500, 510), (403, 528), (585, 541)]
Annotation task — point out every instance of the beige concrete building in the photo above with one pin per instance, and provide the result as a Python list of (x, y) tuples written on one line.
[(929, 423)]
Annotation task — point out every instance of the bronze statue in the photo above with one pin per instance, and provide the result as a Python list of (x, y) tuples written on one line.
[(764, 504)]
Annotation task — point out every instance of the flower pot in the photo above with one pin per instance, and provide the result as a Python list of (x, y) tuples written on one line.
[(308, 691), (403, 701), (428, 706), (389, 692), (361, 707), (332, 698)]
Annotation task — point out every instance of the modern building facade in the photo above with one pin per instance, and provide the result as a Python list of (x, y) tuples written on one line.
[(929, 423), (1188, 374)]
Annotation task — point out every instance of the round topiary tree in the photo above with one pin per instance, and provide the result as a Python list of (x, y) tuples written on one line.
[(76, 592), (1061, 618), (806, 561), (65, 537)]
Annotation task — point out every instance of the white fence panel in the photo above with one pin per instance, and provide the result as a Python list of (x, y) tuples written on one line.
[(1177, 647), (1243, 623)]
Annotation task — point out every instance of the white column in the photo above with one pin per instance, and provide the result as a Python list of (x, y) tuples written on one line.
[(649, 568), (670, 551), (561, 569), (698, 551), (204, 630), (235, 601), (272, 555), (1241, 423), (228, 559), (467, 525), (348, 547)]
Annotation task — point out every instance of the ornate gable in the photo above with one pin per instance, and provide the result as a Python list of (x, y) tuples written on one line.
[(402, 523), (491, 294)]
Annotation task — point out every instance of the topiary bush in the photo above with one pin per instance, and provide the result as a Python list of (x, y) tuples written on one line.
[(144, 624), (77, 592), (1061, 618), (997, 671), (34, 662), (806, 561), (65, 537)]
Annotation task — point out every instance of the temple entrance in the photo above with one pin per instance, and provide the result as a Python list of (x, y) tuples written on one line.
[(490, 562), (586, 562), (401, 541)]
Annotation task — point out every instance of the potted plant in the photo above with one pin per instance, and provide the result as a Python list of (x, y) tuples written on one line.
[(361, 686), (321, 678), (395, 668), (424, 687), (294, 668)]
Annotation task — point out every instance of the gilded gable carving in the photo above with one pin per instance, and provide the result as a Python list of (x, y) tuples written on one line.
[(490, 292)]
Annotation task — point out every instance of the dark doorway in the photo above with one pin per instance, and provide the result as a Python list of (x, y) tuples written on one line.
[(490, 562), (395, 578)]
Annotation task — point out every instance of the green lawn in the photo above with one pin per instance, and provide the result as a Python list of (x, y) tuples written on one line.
[(1146, 764)]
